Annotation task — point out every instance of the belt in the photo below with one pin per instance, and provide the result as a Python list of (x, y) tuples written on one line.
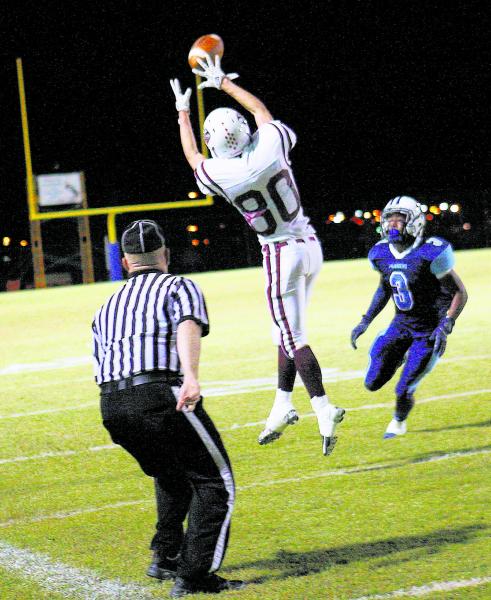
[(311, 238), (109, 387)]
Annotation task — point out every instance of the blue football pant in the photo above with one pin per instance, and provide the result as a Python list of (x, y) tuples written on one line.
[(387, 354)]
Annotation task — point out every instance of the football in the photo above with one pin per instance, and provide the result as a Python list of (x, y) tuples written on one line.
[(211, 44)]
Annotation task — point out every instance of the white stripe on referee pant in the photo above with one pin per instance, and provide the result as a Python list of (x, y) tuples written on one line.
[(226, 475)]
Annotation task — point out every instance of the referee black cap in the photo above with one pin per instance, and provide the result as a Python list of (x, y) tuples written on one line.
[(141, 237)]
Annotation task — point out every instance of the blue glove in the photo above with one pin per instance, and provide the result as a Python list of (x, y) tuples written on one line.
[(359, 330), (439, 335)]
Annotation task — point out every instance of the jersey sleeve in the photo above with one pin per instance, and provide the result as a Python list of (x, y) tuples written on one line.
[(276, 138), (372, 257), (189, 303), (212, 174), (444, 262)]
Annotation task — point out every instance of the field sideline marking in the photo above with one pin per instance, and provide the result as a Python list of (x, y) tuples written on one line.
[(423, 590), (334, 473), (234, 427), (63, 579), (79, 361)]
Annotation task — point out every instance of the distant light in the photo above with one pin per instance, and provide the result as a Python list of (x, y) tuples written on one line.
[(367, 214), (339, 217), (358, 213), (379, 229), (222, 226), (377, 219), (206, 242), (444, 206), (429, 217), (435, 210), (376, 213), (357, 220), (24, 243), (466, 226), (331, 217), (192, 228), (192, 194), (424, 207), (195, 242), (454, 208), (6, 241)]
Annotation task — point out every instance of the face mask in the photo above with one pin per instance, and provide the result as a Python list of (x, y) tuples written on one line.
[(395, 235)]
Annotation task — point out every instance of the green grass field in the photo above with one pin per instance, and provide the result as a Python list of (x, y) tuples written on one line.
[(374, 520)]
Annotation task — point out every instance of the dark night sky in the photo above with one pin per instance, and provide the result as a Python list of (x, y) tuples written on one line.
[(386, 98)]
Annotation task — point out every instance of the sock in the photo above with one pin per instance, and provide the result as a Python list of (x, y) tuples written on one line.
[(319, 402), (404, 405), (287, 371), (310, 371)]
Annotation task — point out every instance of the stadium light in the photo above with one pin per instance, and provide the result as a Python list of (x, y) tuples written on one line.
[(455, 208), (6, 241), (24, 243), (435, 210), (367, 214), (466, 226), (338, 217), (192, 228), (192, 194), (206, 242), (424, 207), (444, 206), (358, 213), (195, 242), (429, 217)]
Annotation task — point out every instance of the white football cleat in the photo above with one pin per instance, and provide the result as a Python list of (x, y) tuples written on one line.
[(328, 419), (276, 425), (395, 428)]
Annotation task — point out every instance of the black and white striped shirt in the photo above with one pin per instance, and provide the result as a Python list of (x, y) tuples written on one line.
[(135, 330)]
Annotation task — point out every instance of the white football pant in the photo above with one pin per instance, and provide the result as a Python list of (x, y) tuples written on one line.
[(290, 268)]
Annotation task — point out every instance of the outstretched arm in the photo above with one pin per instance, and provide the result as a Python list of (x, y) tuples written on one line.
[(188, 139), (213, 75), (379, 300), (250, 102)]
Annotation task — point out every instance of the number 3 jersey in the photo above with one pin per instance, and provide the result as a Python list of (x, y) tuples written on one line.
[(260, 184), (413, 278)]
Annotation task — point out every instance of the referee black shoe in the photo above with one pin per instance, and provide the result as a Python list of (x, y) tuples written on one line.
[(213, 584), (162, 568)]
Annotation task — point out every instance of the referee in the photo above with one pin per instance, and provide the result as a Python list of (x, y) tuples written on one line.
[(146, 353)]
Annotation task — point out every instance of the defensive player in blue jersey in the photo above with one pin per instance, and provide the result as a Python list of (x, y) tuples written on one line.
[(428, 296)]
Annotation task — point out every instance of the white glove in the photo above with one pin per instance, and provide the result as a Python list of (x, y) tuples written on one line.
[(182, 100), (212, 73)]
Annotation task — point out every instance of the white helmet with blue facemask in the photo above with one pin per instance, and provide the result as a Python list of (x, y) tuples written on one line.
[(415, 219)]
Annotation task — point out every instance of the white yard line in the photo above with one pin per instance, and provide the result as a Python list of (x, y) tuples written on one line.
[(430, 588), (59, 578), (267, 483), (79, 361), (233, 427)]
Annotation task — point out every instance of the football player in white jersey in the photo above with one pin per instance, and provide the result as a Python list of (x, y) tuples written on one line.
[(252, 171)]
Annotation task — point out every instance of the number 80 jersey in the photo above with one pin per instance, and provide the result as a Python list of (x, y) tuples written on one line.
[(260, 184)]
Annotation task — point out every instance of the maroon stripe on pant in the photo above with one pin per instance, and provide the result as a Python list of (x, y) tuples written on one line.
[(280, 300), (267, 256)]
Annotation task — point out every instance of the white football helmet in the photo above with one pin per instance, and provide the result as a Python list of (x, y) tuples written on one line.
[(415, 219), (226, 133)]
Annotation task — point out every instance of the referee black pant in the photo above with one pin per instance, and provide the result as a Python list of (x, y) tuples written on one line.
[(193, 476)]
